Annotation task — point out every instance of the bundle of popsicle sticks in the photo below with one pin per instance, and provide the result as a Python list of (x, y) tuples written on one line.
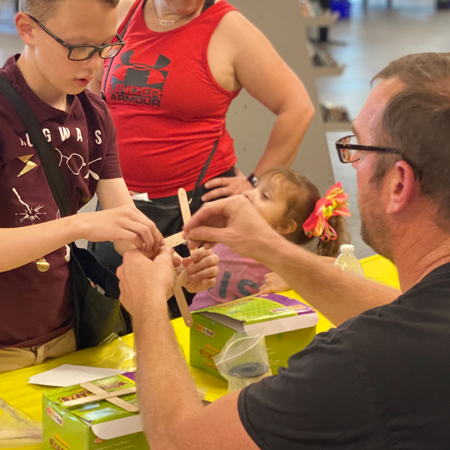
[(173, 241), (101, 394)]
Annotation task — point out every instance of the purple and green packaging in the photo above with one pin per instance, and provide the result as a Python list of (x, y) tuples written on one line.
[(98, 425), (288, 325)]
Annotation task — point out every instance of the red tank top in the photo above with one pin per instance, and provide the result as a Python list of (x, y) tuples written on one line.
[(166, 105)]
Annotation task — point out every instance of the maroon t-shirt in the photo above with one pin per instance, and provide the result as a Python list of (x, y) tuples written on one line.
[(35, 304)]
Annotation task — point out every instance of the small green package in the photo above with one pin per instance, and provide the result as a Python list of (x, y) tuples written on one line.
[(287, 324), (99, 425)]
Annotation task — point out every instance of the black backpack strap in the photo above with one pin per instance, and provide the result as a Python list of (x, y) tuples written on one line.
[(44, 150)]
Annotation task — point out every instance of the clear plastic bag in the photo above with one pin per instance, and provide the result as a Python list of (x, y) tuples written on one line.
[(243, 361), (17, 429), (115, 353)]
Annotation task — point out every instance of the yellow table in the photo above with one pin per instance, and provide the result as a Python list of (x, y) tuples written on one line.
[(15, 390)]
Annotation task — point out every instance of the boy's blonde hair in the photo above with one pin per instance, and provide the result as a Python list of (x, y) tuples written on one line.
[(45, 9), (301, 198)]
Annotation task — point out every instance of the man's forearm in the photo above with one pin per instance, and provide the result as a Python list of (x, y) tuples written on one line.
[(166, 391), (336, 294)]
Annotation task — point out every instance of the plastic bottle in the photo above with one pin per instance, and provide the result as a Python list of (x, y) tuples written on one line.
[(348, 261)]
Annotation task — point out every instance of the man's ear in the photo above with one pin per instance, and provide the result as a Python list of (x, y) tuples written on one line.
[(25, 27), (287, 227), (400, 187)]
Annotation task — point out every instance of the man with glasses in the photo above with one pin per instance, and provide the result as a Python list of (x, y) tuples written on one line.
[(380, 380), (66, 42)]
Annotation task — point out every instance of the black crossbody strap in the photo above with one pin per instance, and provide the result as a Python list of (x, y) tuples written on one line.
[(44, 150), (205, 168), (105, 77)]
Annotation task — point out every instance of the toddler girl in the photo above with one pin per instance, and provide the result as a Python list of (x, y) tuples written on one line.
[(291, 204)]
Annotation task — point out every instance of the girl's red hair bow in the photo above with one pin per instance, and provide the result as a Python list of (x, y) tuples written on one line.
[(333, 204)]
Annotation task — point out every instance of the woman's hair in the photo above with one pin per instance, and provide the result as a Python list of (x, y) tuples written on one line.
[(301, 198), (45, 9)]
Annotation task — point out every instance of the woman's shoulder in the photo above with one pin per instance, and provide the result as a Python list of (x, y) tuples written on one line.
[(234, 25), (123, 9)]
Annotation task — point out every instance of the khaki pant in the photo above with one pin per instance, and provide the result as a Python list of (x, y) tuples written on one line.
[(12, 358)]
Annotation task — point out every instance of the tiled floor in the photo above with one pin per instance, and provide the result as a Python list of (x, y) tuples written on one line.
[(365, 43)]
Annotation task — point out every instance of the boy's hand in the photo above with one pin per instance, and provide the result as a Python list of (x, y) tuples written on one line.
[(125, 223)]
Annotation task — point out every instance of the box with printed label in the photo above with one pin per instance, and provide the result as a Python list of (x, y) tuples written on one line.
[(287, 324), (98, 425)]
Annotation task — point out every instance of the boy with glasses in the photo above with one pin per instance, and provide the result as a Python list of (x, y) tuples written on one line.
[(66, 42)]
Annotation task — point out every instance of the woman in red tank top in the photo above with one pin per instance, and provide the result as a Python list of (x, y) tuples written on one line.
[(183, 63), (169, 89)]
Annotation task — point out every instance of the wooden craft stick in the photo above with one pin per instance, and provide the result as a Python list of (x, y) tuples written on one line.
[(184, 205), (95, 398), (185, 209), (181, 299), (123, 404), (174, 240), (114, 400)]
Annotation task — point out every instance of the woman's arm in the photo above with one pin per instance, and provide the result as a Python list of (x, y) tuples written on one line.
[(258, 68)]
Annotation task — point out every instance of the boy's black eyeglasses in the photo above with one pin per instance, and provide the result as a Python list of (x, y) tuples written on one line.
[(83, 52), (349, 151)]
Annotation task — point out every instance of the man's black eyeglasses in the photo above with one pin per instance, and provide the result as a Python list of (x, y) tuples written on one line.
[(83, 52), (349, 151)]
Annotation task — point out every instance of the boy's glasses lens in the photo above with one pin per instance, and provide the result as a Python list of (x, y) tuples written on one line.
[(82, 53), (110, 51)]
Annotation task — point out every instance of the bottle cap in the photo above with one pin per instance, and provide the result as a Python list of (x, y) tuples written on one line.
[(347, 248)]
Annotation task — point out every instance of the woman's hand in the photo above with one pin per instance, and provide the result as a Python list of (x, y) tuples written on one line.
[(226, 186)]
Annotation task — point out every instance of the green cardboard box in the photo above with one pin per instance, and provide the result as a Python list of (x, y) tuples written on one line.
[(98, 425), (287, 324)]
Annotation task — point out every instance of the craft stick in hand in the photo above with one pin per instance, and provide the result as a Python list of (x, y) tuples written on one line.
[(180, 297), (185, 209), (174, 240)]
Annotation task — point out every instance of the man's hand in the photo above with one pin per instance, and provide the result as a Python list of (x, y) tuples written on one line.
[(226, 186), (125, 223), (202, 270), (273, 283), (234, 222), (145, 284)]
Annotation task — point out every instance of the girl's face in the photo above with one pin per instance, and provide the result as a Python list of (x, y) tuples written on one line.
[(269, 199)]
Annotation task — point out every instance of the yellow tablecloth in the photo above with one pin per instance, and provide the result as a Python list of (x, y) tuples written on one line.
[(15, 390)]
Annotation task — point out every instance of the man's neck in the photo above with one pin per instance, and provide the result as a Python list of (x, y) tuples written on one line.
[(419, 255), (39, 84)]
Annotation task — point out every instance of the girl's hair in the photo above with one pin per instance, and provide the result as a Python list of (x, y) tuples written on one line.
[(301, 198)]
